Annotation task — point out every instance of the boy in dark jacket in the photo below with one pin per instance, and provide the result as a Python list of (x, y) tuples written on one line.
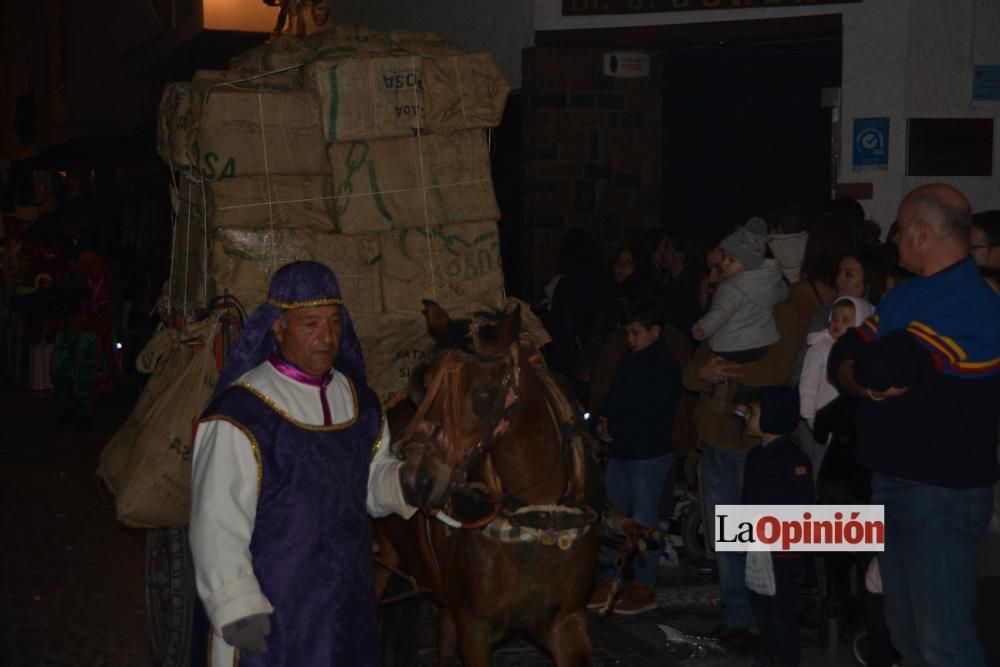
[(637, 420), (777, 472)]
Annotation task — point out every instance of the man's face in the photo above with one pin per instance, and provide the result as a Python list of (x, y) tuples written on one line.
[(312, 338), (982, 252)]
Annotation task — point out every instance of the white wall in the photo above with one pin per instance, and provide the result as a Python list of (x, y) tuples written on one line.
[(902, 59), (948, 37), (501, 28)]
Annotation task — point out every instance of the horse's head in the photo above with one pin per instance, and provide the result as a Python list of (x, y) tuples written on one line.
[(466, 394)]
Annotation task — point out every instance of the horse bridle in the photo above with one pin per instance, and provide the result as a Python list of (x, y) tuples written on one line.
[(501, 406)]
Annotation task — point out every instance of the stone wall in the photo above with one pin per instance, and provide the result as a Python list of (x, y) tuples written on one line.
[(591, 153)]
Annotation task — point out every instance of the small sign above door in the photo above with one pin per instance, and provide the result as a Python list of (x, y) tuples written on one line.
[(585, 7), (626, 64)]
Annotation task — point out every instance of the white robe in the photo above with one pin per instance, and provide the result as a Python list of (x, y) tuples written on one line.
[(224, 496)]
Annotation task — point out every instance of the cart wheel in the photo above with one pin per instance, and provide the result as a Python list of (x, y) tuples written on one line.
[(170, 596)]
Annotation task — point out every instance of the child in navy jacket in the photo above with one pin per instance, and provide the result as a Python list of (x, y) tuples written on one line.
[(637, 420), (777, 472)]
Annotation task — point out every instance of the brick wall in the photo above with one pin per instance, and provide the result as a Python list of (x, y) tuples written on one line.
[(591, 153)]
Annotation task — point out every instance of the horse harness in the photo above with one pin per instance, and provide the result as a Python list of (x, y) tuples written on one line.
[(497, 403)]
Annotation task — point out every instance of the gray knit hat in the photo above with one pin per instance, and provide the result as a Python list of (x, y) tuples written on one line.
[(748, 243)]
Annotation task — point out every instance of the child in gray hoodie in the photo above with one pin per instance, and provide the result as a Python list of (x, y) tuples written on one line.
[(740, 324)]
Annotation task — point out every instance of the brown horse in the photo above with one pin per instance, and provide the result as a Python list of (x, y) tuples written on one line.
[(488, 425)]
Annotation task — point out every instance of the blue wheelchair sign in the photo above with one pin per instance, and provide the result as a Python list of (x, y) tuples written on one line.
[(871, 143)]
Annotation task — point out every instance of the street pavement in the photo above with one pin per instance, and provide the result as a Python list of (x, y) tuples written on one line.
[(71, 577)]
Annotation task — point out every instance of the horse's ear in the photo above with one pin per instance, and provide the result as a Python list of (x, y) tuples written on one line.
[(509, 328), (437, 321)]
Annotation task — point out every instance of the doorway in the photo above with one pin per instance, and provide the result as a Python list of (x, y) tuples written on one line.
[(744, 130)]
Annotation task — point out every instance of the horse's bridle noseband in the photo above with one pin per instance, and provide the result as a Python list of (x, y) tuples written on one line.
[(499, 408)]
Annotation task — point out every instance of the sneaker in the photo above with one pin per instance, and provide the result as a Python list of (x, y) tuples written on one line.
[(600, 595), (638, 598)]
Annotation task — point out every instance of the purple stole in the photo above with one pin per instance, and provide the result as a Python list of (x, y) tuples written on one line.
[(311, 545)]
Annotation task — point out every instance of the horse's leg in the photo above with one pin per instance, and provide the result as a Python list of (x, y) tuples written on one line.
[(568, 640), (475, 641), (447, 637)]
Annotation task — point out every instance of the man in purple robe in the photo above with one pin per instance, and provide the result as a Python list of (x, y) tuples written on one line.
[(288, 457)]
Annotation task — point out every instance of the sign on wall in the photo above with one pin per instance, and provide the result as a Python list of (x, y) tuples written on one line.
[(626, 64), (871, 143), (586, 7)]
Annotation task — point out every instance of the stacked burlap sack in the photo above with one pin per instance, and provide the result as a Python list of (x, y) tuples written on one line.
[(361, 149)]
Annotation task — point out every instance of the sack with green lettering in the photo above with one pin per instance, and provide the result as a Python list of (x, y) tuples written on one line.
[(156, 484), (368, 97), (259, 131), (451, 264), (434, 179), (165, 357)]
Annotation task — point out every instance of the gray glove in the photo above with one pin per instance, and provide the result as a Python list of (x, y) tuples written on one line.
[(249, 633)]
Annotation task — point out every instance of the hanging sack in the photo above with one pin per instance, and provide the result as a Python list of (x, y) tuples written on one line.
[(156, 486), (760, 572)]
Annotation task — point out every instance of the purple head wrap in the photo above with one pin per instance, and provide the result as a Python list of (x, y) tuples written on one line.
[(294, 285)]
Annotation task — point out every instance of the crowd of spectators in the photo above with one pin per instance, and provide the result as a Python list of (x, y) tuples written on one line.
[(784, 300)]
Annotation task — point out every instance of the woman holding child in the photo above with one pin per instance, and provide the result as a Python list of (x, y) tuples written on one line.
[(723, 448)]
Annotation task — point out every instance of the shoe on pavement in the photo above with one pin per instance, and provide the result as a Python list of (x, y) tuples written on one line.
[(600, 595), (638, 598), (740, 641)]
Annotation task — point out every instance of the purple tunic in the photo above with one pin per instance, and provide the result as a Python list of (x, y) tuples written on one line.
[(312, 545)]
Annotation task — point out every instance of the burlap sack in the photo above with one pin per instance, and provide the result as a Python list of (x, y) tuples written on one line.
[(188, 286), (368, 97), (462, 92), (285, 51), (433, 179), (175, 125), (451, 264), (344, 39), (393, 344), (245, 133), (396, 343), (288, 202), (166, 358), (386, 96), (423, 43), (244, 259), (156, 489)]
